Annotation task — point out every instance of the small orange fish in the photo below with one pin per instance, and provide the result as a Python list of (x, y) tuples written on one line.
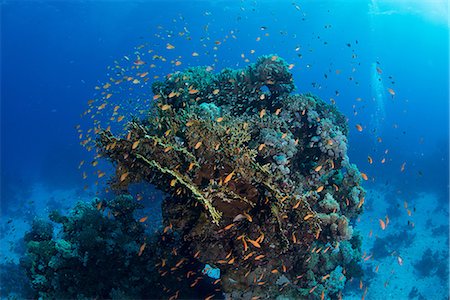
[(228, 226), (391, 91), (141, 249), (318, 168), (135, 145), (193, 91), (308, 216), (259, 257), (139, 62), (254, 243), (369, 159), (277, 112), (165, 107), (219, 120), (245, 244), (143, 219), (312, 290), (177, 63), (320, 188), (123, 176), (198, 145), (364, 176), (382, 224), (261, 146), (120, 118), (296, 205), (359, 127), (262, 113), (228, 178), (216, 91), (169, 46)]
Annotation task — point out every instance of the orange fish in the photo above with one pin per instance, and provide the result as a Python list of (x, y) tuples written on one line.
[(228, 226), (139, 62), (228, 178), (123, 176), (364, 176), (254, 243), (307, 217), (198, 145), (320, 188), (359, 127), (369, 159), (165, 107), (141, 249), (391, 91), (262, 113), (318, 168), (170, 47), (143, 219), (135, 145), (382, 224)]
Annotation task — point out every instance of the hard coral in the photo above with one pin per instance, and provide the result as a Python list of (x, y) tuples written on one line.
[(268, 169)]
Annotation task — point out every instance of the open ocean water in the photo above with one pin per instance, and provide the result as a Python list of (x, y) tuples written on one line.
[(70, 69)]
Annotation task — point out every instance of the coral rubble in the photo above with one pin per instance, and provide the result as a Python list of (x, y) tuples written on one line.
[(257, 180)]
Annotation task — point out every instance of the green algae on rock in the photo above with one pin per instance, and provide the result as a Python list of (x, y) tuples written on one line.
[(257, 180)]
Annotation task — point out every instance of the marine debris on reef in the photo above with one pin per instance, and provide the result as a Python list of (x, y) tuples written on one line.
[(257, 181)]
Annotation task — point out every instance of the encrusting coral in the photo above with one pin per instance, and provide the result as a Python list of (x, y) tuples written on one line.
[(257, 181)]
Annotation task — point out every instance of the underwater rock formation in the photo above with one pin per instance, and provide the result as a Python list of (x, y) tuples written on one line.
[(257, 181)]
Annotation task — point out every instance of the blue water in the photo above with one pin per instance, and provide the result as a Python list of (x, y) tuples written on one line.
[(53, 54)]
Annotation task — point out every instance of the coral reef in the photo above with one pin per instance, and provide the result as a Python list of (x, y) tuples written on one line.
[(103, 252), (257, 181)]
